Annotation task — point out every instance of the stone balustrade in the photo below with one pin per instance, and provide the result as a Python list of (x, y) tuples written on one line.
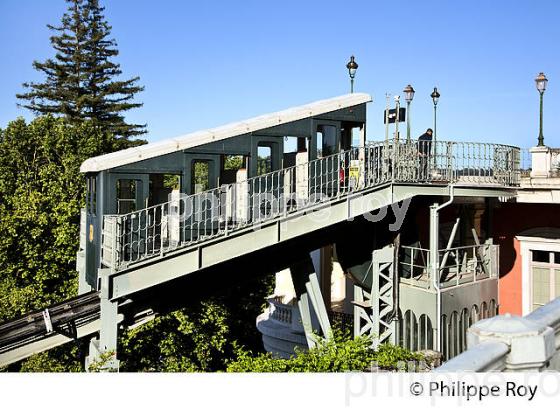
[(512, 343)]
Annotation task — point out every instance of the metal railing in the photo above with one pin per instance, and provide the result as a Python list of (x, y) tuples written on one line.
[(457, 266), (189, 219), (525, 163), (461, 162)]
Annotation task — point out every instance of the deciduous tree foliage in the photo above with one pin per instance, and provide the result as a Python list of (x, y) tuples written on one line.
[(41, 193), (82, 101), (203, 336), (82, 80)]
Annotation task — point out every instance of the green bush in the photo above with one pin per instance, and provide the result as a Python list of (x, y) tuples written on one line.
[(393, 357), (336, 355), (202, 336)]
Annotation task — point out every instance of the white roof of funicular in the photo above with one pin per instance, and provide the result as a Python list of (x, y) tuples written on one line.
[(152, 150)]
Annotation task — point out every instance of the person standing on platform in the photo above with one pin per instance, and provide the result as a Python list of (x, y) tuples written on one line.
[(424, 152)]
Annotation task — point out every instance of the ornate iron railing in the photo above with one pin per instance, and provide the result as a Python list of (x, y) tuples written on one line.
[(189, 219), (525, 163)]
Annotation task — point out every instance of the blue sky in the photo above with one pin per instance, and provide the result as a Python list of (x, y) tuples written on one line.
[(208, 63)]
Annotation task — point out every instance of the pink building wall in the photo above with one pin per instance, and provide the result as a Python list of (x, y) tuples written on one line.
[(510, 220)]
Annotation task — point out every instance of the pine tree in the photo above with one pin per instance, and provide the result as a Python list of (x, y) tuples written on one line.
[(82, 80)]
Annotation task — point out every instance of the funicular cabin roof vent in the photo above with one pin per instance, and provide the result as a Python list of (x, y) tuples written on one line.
[(152, 150)]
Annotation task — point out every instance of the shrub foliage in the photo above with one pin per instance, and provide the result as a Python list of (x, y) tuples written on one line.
[(339, 354)]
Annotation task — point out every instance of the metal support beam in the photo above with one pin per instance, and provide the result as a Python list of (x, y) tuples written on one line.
[(314, 292), (434, 268), (362, 312), (374, 311), (382, 265), (434, 262), (308, 294), (103, 350), (308, 326), (481, 258), (434, 242), (449, 245)]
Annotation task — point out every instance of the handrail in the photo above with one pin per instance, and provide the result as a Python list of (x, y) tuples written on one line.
[(485, 357), (467, 266), (190, 219), (548, 315), (463, 247)]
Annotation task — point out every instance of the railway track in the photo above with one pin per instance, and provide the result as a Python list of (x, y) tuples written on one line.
[(61, 322)]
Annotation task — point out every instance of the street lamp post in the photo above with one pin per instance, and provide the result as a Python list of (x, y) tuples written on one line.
[(397, 118), (352, 66), (408, 95), (541, 82), (435, 98)]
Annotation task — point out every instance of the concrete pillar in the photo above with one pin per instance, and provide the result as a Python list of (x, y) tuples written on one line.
[(541, 162), (338, 288), (531, 344)]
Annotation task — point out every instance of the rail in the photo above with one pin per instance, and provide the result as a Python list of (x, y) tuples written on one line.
[(457, 266), (65, 318), (190, 219), (525, 163)]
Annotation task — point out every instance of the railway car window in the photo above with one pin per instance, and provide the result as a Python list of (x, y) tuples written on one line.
[(200, 176), (356, 136), (126, 196), (291, 144), (233, 162), (161, 186), (229, 167), (91, 199), (326, 140), (264, 159)]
